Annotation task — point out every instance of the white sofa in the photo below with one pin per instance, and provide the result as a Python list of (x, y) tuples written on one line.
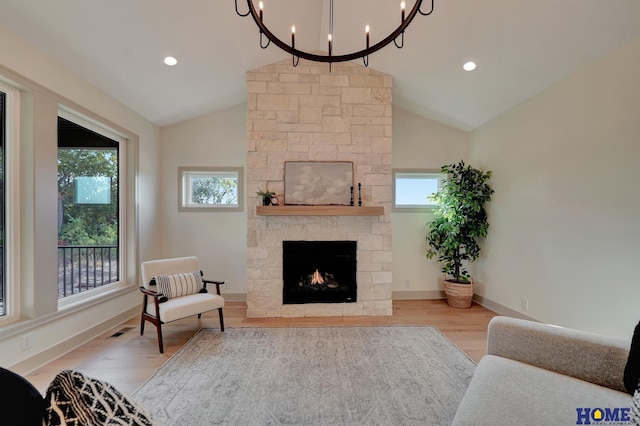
[(539, 374)]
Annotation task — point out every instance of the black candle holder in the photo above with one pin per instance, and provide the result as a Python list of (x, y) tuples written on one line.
[(359, 194), (351, 201)]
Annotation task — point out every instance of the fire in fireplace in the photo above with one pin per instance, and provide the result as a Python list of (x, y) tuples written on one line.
[(319, 271)]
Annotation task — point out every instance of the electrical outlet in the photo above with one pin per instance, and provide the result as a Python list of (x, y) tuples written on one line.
[(407, 283), (226, 285), (525, 304), (27, 342)]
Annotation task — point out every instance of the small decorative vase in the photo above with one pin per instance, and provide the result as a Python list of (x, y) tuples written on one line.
[(266, 200), (458, 295)]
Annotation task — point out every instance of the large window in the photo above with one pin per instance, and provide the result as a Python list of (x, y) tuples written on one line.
[(89, 205), (9, 205), (412, 188), (2, 202), (210, 189)]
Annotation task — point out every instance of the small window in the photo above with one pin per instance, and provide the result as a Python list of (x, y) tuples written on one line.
[(411, 189), (210, 189)]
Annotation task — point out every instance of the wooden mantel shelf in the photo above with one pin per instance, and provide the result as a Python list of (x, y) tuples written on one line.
[(319, 211)]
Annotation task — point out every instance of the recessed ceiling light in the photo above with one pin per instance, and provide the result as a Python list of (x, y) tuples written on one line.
[(469, 66), (170, 60)]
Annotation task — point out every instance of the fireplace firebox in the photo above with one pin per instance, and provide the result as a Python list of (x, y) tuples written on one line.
[(319, 271)]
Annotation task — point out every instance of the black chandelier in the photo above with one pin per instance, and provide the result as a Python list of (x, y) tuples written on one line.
[(405, 20)]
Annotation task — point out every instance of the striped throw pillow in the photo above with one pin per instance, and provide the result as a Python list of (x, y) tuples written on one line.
[(178, 285)]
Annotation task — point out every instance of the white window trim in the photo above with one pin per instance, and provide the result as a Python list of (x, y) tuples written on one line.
[(184, 189), (104, 130), (429, 173), (12, 205)]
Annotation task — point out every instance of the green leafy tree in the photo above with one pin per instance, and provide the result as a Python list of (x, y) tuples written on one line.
[(87, 224), (207, 190), (459, 219)]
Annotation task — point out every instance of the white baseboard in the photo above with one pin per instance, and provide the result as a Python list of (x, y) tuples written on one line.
[(38, 360), (500, 309)]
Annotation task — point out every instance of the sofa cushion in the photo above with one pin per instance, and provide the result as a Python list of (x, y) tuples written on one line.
[(78, 400), (185, 306), (586, 356), (178, 285), (20, 402), (508, 392)]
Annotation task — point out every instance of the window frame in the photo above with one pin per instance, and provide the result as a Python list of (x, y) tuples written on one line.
[(184, 173), (12, 204), (426, 173), (124, 239)]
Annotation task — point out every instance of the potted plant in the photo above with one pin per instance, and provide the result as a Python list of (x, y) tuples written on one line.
[(266, 196), (459, 221)]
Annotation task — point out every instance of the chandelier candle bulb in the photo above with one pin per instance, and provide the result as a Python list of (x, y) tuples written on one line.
[(402, 6), (294, 62), (366, 30), (330, 40), (261, 6)]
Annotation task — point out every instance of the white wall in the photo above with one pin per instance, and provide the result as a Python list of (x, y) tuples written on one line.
[(45, 84), (419, 143), (219, 239), (565, 219)]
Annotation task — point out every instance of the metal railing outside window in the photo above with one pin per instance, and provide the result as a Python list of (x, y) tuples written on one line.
[(82, 268)]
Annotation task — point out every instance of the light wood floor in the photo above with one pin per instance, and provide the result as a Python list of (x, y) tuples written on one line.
[(129, 360)]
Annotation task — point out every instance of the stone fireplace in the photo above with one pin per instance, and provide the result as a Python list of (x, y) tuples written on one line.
[(307, 113)]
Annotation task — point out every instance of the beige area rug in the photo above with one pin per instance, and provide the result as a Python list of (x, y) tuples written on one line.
[(310, 376)]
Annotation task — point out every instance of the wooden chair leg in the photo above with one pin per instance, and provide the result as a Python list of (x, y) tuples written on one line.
[(221, 319), (143, 314), (160, 343)]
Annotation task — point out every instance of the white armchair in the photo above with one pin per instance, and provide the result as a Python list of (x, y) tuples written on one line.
[(174, 289)]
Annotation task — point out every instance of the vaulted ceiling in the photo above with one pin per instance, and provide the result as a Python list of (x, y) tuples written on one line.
[(521, 47)]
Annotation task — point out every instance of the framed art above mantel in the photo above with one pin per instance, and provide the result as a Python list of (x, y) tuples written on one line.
[(318, 183)]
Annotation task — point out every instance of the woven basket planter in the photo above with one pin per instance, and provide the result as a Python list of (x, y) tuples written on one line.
[(458, 295)]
